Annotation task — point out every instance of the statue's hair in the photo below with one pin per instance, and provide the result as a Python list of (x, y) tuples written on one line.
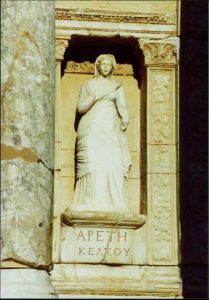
[(100, 58)]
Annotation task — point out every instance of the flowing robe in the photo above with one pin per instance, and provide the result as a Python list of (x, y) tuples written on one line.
[(102, 154)]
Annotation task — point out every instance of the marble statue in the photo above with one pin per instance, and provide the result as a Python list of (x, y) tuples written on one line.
[(102, 155)]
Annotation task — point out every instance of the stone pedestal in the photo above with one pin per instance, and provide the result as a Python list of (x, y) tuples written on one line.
[(99, 238)]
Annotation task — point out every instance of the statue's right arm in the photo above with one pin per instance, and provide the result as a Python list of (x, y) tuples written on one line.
[(86, 100)]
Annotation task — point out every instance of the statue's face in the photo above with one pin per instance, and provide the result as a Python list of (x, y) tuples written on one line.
[(105, 67)]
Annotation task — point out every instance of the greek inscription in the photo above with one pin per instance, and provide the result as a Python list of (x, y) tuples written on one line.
[(81, 251), (117, 251), (91, 251), (99, 236), (126, 251), (122, 236), (80, 235)]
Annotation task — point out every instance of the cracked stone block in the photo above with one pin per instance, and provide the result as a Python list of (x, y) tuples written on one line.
[(26, 212)]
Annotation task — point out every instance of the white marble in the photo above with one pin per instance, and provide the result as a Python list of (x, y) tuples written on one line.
[(26, 284), (101, 280), (102, 153), (28, 76), (26, 212), (99, 244), (27, 135)]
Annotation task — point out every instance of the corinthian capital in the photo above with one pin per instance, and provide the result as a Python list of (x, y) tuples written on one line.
[(159, 52), (61, 45)]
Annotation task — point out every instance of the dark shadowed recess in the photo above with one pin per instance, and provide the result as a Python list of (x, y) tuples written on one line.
[(193, 148), (88, 48)]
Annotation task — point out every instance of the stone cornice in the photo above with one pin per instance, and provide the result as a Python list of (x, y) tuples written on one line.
[(112, 16), (106, 219), (161, 52)]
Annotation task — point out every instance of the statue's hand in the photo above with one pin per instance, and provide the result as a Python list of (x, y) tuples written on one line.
[(123, 125), (102, 95)]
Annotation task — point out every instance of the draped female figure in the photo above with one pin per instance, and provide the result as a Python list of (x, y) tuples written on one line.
[(102, 155)]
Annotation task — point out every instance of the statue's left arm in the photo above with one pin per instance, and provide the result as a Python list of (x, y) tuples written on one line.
[(122, 108)]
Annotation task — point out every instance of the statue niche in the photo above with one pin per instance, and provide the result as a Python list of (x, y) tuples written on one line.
[(102, 154)]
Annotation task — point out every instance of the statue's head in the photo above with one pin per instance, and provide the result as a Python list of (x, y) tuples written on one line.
[(105, 64)]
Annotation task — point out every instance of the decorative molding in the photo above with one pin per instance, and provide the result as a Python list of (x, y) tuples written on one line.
[(161, 165), (161, 159), (113, 30), (162, 226), (89, 279), (87, 67), (112, 16), (83, 67), (159, 52), (61, 45), (106, 219), (161, 106)]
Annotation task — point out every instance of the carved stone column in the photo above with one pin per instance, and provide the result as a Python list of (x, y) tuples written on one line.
[(27, 147), (161, 148), (61, 45)]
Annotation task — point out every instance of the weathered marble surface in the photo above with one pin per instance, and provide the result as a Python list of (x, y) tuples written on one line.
[(147, 7), (27, 133), (88, 279), (26, 284), (28, 72), (103, 245), (163, 236), (26, 212), (103, 238)]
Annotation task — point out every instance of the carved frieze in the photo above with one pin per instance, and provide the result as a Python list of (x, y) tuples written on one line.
[(87, 67), (161, 159), (161, 106), (162, 230), (112, 16), (159, 52), (61, 45), (161, 134)]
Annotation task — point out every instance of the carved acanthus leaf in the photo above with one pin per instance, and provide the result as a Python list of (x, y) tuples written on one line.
[(87, 67), (159, 53), (61, 45)]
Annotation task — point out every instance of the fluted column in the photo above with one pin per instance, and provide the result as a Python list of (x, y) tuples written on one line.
[(161, 150)]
